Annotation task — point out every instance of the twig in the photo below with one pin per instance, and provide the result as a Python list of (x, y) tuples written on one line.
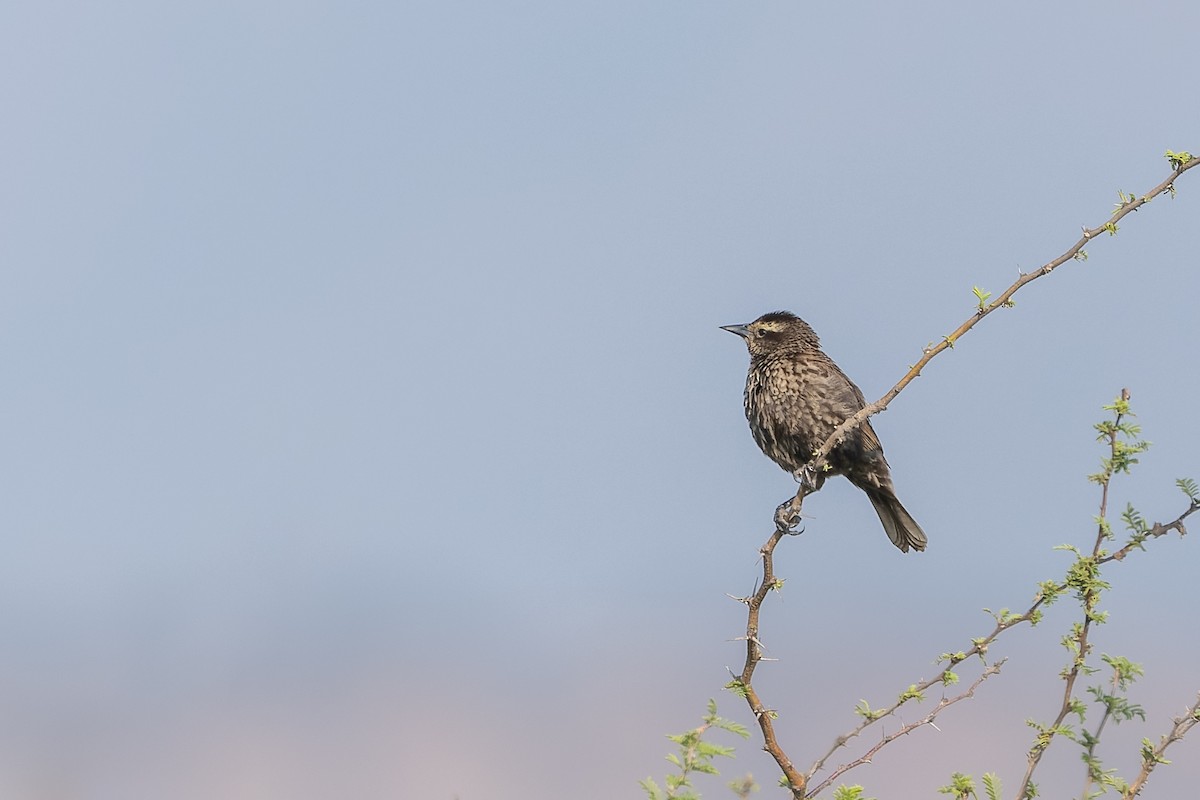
[(845, 739), (1089, 595), (817, 464), (1153, 757), (944, 703), (763, 715), (1094, 739), (1156, 530)]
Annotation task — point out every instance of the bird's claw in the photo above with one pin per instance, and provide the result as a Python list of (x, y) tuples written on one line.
[(808, 478), (787, 518)]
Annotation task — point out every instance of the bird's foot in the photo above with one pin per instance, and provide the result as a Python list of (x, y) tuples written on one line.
[(787, 518), (809, 479)]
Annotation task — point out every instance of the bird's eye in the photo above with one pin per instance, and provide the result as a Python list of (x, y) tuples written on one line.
[(761, 332)]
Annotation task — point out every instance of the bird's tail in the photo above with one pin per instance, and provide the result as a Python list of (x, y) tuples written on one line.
[(901, 528)]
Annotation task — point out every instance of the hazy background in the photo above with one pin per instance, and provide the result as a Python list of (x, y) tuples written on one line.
[(367, 431)]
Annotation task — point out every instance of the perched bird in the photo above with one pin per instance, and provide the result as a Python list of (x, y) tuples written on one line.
[(796, 397)]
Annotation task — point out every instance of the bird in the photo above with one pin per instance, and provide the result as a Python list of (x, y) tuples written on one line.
[(796, 396)]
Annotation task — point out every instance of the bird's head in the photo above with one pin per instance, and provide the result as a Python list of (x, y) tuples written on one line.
[(777, 333)]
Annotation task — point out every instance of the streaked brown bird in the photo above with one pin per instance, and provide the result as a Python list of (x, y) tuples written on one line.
[(796, 396)]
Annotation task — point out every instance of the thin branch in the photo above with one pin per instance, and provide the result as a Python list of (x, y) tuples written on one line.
[(1133, 204), (762, 714), (1089, 596), (1094, 739), (846, 738), (1156, 530), (1153, 757), (928, 719)]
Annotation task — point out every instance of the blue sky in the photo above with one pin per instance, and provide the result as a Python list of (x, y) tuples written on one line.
[(369, 430)]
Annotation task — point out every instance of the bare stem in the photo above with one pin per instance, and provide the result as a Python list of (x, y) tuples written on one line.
[(904, 730), (764, 716)]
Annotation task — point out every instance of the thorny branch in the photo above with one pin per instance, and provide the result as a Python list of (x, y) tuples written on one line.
[(798, 783), (1089, 596), (1133, 204), (904, 730), (1153, 756), (1156, 530), (763, 715)]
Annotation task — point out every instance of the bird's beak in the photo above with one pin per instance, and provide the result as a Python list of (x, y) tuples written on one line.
[(740, 330)]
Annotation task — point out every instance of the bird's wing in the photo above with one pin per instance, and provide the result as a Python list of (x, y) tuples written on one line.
[(851, 398)]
